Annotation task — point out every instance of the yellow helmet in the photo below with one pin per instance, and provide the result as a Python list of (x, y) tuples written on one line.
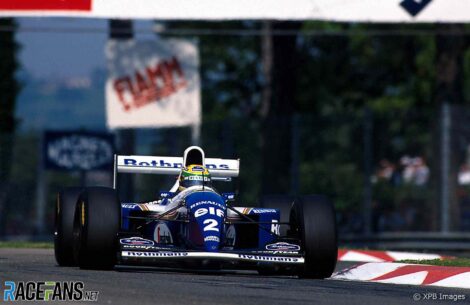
[(193, 175)]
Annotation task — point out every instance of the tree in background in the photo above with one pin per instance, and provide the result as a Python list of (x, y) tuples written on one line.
[(278, 107), (236, 85), (328, 77), (9, 88)]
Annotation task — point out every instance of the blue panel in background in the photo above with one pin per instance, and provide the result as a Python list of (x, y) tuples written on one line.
[(78, 150)]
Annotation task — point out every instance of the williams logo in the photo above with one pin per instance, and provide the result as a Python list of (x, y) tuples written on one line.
[(47, 291)]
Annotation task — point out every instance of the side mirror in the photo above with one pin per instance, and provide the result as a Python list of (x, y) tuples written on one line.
[(228, 196)]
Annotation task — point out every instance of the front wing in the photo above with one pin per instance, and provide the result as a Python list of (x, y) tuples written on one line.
[(161, 256), (216, 256)]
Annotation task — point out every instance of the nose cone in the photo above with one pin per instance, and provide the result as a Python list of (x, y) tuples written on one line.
[(209, 210)]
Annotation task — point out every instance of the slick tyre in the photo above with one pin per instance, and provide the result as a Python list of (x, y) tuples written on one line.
[(63, 225), (96, 225), (313, 221)]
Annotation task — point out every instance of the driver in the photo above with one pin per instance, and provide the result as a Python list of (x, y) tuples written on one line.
[(194, 175), (191, 179)]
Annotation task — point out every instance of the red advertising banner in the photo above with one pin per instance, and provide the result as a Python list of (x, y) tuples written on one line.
[(33, 5)]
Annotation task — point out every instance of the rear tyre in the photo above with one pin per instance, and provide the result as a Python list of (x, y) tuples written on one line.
[(63, 225), (313, 221), (96, 225)]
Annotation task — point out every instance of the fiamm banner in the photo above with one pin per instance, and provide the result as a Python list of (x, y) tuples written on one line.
[(152, 83), (332, 10)]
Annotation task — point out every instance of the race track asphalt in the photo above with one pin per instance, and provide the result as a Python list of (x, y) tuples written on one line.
[(158, 286)]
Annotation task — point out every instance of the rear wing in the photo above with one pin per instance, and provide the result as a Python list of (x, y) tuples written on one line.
[(219, 168)]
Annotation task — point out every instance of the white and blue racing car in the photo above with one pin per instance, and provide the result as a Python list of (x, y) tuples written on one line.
[(192, 225)]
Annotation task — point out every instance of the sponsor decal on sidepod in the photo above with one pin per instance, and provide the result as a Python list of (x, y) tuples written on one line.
[(262, 211)]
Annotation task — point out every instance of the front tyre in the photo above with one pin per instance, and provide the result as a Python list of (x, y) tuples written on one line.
[(313, 221), (96, 225), (63, 225)]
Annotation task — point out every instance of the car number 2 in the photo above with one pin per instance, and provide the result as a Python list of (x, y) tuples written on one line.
[(211, 225)]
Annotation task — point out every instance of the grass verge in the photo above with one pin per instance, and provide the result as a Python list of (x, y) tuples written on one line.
[(452, 262), (26, 244)]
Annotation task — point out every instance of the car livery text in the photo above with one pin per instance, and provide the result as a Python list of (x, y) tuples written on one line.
[(163, 163)]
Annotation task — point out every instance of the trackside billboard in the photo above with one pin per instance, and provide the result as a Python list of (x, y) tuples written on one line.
[(331, 10), (152, 83), (78, 150)]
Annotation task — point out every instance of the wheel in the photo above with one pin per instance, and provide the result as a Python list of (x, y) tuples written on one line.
[(313, 221), (63, 225), (96, 225)]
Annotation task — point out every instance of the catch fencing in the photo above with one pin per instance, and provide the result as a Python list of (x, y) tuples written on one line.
[(384, 172)]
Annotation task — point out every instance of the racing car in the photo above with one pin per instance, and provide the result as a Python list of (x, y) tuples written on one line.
[(193, 226)]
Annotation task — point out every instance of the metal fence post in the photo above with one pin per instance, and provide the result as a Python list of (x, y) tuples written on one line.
[(123, 30), (368, 154), (41, 186), (445, 166)]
